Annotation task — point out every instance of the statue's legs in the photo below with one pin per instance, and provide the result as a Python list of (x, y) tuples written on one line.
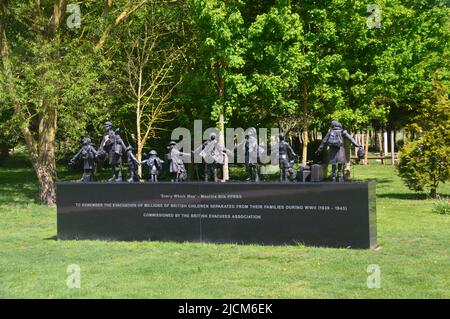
[(113, 171), (333, 172), (283, 175), (92, 175), (85, 177), (134, 175), (340, 172), (253, 173), (206, 172), (179, 176), (131, 178), (119, 173), (256, 168), (214, 170), (291, 173), (89, 175), (248, 168)]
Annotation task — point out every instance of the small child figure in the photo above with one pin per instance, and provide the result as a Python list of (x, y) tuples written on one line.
[(182, 173), (154, 164), (89, 156), (176, 164), (132, 165)]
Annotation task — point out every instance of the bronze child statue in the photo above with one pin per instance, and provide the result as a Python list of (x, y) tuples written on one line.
[(336, 151), (176, 164), (89, 156), (154, 164), (133, 164)]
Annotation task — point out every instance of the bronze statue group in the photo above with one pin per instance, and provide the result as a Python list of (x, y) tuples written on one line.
[(112, 149)]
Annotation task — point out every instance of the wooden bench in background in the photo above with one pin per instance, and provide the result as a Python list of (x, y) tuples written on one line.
[(380, 157)]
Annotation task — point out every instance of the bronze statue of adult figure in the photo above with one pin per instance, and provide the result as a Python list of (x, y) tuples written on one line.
[(334, 139), (176, 164), (286, 156), (252, 150), (113, 146), (213, 155), (89, 156)]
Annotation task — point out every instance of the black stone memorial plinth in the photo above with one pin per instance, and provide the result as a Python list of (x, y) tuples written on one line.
[(319, 214)]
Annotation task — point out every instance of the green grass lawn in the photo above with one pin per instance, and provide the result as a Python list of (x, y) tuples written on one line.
[(414, 257)]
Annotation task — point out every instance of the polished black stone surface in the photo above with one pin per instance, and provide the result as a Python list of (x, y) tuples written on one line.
[(319, 214)]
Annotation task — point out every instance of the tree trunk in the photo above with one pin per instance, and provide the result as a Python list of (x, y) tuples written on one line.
[(348, 154), (392, 146), (305, 125), (226, 173), (45, 163), (379, 135), (366, 148), (221, 91), (140, 145), (46, 173), (433, 193), (139, 153)]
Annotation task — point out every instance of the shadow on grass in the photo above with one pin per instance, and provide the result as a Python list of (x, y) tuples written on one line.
[(409, 196), (18, 187), (51, 238), (376, 180), (18, 184), (403, 196)]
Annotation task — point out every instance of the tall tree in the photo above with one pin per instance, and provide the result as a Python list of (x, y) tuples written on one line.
[(219, 27), (51, 75), (152, 61), (36, 104)]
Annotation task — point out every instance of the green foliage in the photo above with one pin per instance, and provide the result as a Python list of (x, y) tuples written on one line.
[(441, 206), (414, 45), (62, 72), (294, 64), (219, 30), (276, 60), (424, 162)]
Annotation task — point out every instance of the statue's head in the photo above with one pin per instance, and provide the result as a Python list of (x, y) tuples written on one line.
[(212, 136), (172, 144), (108, 126), (153, 153), (281, 136), (86, 141), (336, 124)]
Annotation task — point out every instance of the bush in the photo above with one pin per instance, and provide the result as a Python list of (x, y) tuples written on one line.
[(442, 206), (425, 162)]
